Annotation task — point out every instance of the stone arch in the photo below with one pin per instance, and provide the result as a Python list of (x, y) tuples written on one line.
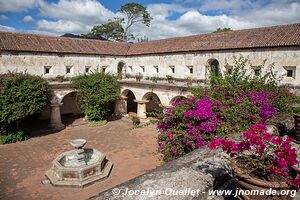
[(213, 66), (130, 100), (153, 104), (121, 69), (70, 104), (177, 98)]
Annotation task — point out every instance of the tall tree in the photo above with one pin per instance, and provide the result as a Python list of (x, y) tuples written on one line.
[(117, 29), (134, 14), (112, 30), (222, 30)]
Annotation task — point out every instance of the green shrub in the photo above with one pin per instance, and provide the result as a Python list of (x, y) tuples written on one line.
[(230, 104), (296, 110), (21, 95), (96, 91), (13, 137), (135, 120)]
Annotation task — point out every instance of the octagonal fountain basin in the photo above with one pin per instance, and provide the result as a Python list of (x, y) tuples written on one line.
[(79, 167)]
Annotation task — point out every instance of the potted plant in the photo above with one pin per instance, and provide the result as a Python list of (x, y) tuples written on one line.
[(154, 79), (170, 78), (60, 78), (261, 161), (189, 81), (296, 116), (138, 77)]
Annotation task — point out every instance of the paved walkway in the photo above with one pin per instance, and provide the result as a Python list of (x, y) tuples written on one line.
[(23, 165)]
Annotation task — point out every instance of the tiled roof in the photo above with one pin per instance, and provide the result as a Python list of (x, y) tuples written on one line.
[(275, 36), (39, 43)]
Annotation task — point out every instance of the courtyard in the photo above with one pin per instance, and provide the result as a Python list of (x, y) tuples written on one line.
[(23, 165)]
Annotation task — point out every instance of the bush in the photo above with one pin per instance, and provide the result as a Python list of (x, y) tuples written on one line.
[(21, 95), (232, 103), (97, 91), (135, 120), (13, 137)]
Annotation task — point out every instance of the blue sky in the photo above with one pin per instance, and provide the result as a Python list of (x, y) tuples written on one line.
[(171, 18)]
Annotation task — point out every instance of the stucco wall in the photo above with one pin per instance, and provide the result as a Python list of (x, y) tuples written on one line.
[(34, 63)]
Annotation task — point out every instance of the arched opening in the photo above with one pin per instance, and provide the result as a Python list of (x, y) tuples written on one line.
[(70, 108), (131, 105), (213, 66), (154, 104), (177, 99), (121, 67)]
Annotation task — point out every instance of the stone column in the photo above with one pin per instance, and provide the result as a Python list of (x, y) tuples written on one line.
[(141, 108), (121, 106), (55, 119)]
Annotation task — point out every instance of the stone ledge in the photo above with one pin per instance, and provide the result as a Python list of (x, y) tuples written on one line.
[(200, 170)]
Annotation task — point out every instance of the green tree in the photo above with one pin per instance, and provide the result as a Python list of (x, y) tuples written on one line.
[(96, 91), (117, 29), (21, 95), (134, 14), (222, 30), (112, 30)]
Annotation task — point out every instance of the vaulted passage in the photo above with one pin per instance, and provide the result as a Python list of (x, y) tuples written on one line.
[(131, 105), (214, 66), (70, 108), (154, 104)]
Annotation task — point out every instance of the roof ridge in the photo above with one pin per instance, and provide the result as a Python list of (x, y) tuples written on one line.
[(227, 32), (261, 37)]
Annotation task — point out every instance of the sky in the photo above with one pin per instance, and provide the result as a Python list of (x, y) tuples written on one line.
[(171, 18)]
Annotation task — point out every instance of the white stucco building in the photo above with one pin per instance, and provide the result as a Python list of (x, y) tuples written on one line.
[(180, 57)]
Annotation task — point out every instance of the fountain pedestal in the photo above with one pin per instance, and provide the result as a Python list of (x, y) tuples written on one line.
[(79, 167)]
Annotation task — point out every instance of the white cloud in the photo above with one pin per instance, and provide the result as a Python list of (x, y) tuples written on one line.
[(3, 17), (7, 28), (28, 18), (183, 17), (17, 5), (243, 14), (84, 11), (62, 26), (74, 16)]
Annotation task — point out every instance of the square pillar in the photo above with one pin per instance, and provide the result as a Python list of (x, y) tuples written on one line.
[(121, 106), (141, 108), (55, 118)]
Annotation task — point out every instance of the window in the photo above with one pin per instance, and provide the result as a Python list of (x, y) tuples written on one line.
[(143, 68), (47, 69), (87, 69), (229, 70), (172, 69), (191, 69), (257, 70), (68, 69), (156, 68), (104, 69), (290, 71)]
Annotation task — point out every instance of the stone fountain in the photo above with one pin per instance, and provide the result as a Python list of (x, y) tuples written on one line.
[(79, 167)]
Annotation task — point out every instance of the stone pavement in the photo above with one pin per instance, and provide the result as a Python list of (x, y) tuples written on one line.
[(23, 164)]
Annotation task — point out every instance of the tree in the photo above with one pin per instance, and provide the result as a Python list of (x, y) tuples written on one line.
[(112, 30), (222, 30), (134, 14), (117, 29), (97, 92)]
